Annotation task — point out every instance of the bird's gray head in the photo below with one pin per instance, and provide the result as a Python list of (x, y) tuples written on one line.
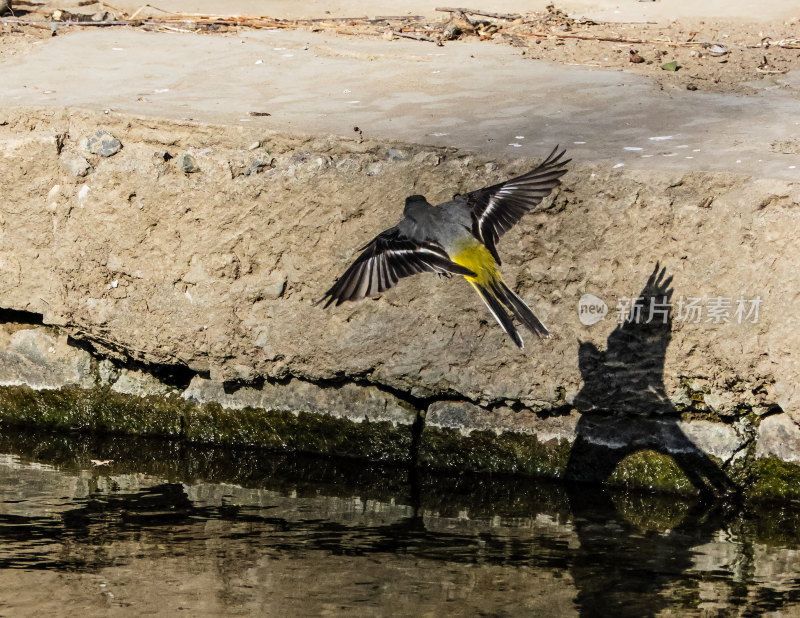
[(415, 202)]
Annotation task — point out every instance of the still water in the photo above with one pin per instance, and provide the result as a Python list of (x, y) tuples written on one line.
[(165, 529)]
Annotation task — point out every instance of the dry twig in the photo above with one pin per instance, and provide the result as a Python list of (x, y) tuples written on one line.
[(507, 16), (590, 37)]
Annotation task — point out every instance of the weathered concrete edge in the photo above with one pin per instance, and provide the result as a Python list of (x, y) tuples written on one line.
[(47, 381)]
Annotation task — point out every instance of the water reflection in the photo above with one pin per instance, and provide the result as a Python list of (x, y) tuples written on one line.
[(164, 528)]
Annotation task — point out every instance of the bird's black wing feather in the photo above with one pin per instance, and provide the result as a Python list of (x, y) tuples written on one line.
[(389, 257), (496, 209)]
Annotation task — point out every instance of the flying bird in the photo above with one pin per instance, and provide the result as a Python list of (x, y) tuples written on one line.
[(458, 237)]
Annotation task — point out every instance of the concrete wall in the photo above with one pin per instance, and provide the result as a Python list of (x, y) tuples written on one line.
[(200, 276)]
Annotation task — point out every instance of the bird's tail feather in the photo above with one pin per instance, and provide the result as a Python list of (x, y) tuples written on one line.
[(519, 309), (495, 305), (499, 298)]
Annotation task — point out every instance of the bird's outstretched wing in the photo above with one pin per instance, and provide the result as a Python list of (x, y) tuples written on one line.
[(389, 257), (496, 209)]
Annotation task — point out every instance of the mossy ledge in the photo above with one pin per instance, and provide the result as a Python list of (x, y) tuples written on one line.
[(49, 382), (103, 411)]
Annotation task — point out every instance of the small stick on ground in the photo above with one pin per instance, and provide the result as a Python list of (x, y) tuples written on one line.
[(589, 37), (507, 16), (416, 37)]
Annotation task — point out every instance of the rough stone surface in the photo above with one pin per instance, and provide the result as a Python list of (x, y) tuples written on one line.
[(46, 382), (41, 359), (77, 165), (466, 418), (104, 144), (779, 436), (198, 262), (673, 436), (139, 383), (350, 401)]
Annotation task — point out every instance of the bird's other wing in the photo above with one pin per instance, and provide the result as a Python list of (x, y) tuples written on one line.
[(385, 260), (496, 209)]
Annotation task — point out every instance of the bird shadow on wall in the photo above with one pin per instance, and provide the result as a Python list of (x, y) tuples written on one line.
[(624, 405)]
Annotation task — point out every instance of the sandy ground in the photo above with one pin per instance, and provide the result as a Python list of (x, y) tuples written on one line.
[(715, 46), (486, 90), (609, 10)]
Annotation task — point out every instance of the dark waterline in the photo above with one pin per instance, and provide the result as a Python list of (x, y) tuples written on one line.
[(165, 528)]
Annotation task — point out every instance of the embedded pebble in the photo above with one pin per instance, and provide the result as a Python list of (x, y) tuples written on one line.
[(77, 165), (104, 144), (256, 167), (187, 164), (393, 154)]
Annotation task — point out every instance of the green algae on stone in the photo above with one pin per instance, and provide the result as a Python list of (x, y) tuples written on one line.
[(485, 451), (98, 409), (376, 440), (303, 432), (212, 424), (652, 470), (773, 479), (103, 410)]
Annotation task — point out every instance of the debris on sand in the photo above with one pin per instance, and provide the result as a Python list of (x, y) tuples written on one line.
[(551, 34)]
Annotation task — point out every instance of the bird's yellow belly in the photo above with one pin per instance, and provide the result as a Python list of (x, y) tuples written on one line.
[(473, 255)]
